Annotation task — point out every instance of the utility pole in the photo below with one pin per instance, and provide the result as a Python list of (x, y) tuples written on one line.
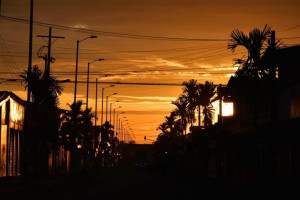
[(48, 58), (30, 50), (96, 102), (220, 94), (106, 108), (25, 136), (110, 113), (273, 47), (102, 107), (117, 126)]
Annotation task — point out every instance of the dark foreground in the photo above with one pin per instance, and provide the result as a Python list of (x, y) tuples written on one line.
[(131, 183)]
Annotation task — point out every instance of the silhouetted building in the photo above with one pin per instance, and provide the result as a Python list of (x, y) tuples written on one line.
[(288, 115), (12, 122), (260, 143), (289, 83)]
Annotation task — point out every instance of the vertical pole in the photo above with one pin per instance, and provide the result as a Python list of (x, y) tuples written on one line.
[(24, 139), (102, 107), (30, 50), (117, 126), (96, 101), (124, 136), (220, 105), (199, 116), (273, 46), (120, 129), (114, 122), (47, 69), (106, 108), (76, 69), (87, 86), (110, 113)]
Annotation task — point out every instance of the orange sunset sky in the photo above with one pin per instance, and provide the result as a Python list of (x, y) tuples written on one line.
[(142, 41)]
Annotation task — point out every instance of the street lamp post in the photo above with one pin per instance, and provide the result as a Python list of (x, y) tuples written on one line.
[(96, 102), (118, 124), (110, 111), (124, 131), (123, 128), (88, 80), (115, 127), (76, 66), (102, 101), (106, 111)]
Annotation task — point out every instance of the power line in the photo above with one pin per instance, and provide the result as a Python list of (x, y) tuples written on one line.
[(290, 38), (114, 83), (6, 61), (191, 48), (114, 34), (291, 28)]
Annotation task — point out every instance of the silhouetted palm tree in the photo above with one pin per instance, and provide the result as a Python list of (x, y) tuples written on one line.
[(78, 124), (106, 135), (254, 44), (208, 113), (87, 129), (181, 110), (192, 93), (172, 124), (45, 88), (71, 127), (44, 119), (163, 127), (208, 90), (77, 129)]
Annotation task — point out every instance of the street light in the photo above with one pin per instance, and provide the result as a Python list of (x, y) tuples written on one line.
[(110, 110), (115, 127), (96, 99), (118, 122), (107, 104), (96, 102), (123, 128), (76, 66), (88, 80), (102, 101)]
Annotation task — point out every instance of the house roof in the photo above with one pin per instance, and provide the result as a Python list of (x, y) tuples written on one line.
[(5, 94)]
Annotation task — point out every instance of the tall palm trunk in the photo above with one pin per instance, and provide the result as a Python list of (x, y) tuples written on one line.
[(199, 115)]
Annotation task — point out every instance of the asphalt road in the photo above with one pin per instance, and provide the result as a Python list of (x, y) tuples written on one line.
[(128, 183)]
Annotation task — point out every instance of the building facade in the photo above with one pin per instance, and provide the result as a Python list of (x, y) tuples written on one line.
[(12, 110)]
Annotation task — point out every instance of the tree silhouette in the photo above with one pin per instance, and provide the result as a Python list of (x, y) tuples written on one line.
[(77, 129), (181, 110), (255, 43), (44, 118), (191, 90), (163, 127), (208, 90), (106, 135), (45, 88)]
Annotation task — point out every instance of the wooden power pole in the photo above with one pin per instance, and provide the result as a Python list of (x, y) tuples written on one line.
[(48, 57)]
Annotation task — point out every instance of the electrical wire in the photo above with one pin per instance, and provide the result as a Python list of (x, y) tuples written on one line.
[(114, 34)]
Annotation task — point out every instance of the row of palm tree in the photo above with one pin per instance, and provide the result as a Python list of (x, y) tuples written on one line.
[(196, 96), (173, 147), (76, 132), (256, 64)]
